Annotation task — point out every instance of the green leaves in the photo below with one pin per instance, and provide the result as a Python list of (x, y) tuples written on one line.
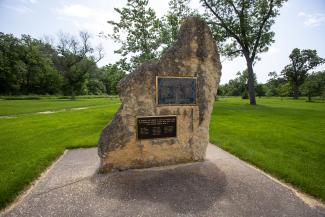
[(142, 35), (302, 61), (138, 32), (314, 85), (178, 10), (26, 66), (110, 76), (30, 66), (242, 25), (238, 85), (76, 61)]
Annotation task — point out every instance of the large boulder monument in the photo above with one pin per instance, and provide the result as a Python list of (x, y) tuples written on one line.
[(166, 105)]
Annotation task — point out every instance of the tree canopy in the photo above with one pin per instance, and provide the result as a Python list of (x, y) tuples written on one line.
[(237, 86), (302, 61), (26, 66), (178, 10), (32, 66), (138, 32), (243, 27), (75, 60), (314, 85)]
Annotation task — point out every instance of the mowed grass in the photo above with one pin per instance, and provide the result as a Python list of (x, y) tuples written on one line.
[(31, 142), (283, 137), (17, 107)]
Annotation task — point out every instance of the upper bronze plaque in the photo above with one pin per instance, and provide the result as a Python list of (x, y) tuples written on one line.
[(176, 90)]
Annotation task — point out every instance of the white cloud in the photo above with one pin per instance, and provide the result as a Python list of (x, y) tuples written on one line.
[(313, 20), (85, 18), (75, 10), (301, 14), (19, 9), (29, 1)]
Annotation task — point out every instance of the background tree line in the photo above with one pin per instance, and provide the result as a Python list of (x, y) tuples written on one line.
[(294, 80), (240, 28), (33, 66)]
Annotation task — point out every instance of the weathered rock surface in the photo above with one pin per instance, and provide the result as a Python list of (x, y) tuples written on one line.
[(193, 55)]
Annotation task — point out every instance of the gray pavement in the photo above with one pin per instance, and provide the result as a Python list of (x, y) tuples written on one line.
[(221, 186)]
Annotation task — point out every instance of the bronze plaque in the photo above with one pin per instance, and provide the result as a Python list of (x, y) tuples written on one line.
[(176, 90), (156, 127)]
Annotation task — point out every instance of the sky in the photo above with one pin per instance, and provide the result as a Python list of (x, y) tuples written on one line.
[(301, 24)]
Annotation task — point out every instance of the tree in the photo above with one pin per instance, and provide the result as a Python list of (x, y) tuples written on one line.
[(33, 66), (238, 86), (178, 10), (221, 90), (235, 87), (110, 76), (138, 32), (26, 66), (243, 27), (321, 80), (284, 90), (95, 86), (11, 66), (260, 90), (274, 84), (75, 59), (301, 62), (310, 87), (243, 79), (314, 85), (40, 76)]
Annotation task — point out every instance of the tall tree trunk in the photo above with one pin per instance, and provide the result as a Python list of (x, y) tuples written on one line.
[(250, 83), (295, 91)]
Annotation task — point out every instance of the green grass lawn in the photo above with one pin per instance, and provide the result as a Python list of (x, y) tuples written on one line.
[(17, 107), (285, 138), (30, 142)]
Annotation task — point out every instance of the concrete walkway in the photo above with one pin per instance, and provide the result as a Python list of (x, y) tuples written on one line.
[(221, 186)]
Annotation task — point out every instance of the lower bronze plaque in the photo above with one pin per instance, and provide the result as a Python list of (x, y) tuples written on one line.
[(156, 127)]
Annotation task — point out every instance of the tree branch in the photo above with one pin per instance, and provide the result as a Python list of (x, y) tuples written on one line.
[(261, 29), (234, 7), (236, 51), (241, 22), (222, 24), (293, 62), (100, 51)]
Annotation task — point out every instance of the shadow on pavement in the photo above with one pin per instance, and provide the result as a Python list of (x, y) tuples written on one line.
[(190, 188)]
